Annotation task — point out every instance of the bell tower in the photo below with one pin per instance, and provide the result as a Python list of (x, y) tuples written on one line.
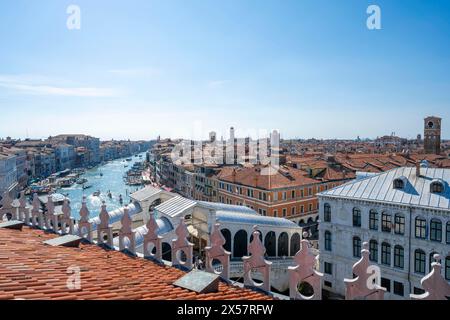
[(432, 135)]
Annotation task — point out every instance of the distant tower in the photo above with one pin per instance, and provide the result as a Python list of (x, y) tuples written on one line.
[(231, 134), (212, 136), (432, 135)]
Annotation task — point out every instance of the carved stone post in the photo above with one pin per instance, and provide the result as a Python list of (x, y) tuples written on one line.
[(216, 252), (304, 272), (83, 223), (152, 237), (366, 285), (7, 207), (127, 232), (181, 245), (66, 219), (50, 216), (37, 217), (435, 286), (256, 263), (23, 212), (104, 227)]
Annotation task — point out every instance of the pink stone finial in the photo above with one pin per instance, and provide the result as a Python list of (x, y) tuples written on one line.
[(83, 223), (153, 238), (126, 232), (435, 286), (363, 286), (181, 244), (256, 262), (304, 271), (104, 227), (215, 251)]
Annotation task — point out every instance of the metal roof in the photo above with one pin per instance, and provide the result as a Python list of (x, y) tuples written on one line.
[(145, 193), (226, 207), (416, 191), (251, 219), (175, 206)]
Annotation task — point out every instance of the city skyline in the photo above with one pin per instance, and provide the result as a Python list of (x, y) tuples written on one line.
[(309, 69)]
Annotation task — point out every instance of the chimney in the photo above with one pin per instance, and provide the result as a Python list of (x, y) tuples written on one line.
[(417, 169), (234, 175), (255, 178)]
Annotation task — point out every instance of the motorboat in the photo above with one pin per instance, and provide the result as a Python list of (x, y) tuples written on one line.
[(96, 193), (87, 186), (82, 181)]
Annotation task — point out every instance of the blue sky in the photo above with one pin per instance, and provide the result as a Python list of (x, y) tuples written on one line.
[(140, 68)]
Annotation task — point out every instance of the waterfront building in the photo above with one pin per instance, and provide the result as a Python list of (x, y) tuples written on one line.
[(8, 172), (404, 215)]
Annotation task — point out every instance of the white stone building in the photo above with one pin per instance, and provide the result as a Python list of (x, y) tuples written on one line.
[(8, 173), (404, 215)]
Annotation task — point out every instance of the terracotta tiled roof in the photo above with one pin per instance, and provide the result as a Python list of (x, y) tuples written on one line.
[(283, 178), (31, 270)]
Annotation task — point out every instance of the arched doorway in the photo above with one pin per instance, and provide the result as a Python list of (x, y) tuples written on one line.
[(270, 242), (227, 235), (283, 242), (166, 251), (240, 244), (295, 243)]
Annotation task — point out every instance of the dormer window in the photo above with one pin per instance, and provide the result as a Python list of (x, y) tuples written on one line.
[(400, 183), (437, 186)]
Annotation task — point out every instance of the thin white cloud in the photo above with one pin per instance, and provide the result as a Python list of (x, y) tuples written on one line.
[(39, 85), (217, 84), (136, 72)]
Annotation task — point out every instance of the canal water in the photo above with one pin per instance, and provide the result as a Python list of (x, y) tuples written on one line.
[(108, 177)]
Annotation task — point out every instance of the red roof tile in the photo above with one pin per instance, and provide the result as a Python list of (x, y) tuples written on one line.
[(31, 270)]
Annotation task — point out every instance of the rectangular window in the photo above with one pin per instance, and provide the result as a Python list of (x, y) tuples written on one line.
[(328, 267), (399, 258), (419, 262), (386, 222), (284, 212), (284, 195), (373, 220), (302, 193), (275, 196), (293, 211), (310, 207), (421, 228), (399, 289), (386, 283), (302, 209), (399, 224), (275, 213), (293, 194), (386, 254)]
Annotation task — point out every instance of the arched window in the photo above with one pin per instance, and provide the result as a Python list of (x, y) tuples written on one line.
[(419, 261), (436, 230), (421, 228), (227, 235), (386, 222), (447, 268), (240, 244), (373, 249), (328, 240), (431, 260), (356, 247), (326, 212), (283, 242), (270, 242), (386, 253), (447, 231), (437, 187), (373, 220), (399, 257), (399, 183), (356, 217), (399, 226), (295, 243)]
